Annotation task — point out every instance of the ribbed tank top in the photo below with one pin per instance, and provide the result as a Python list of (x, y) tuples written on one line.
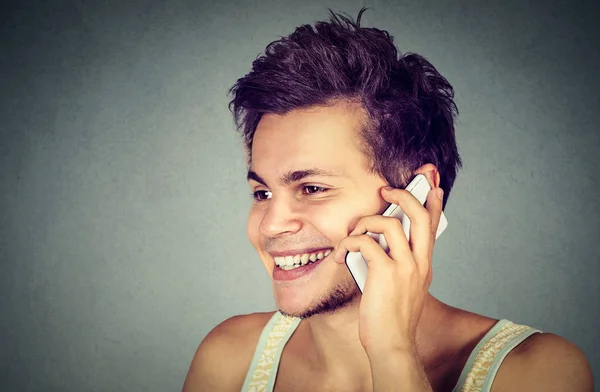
[(477, 375)]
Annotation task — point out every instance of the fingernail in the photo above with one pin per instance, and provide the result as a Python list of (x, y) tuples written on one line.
[(440, 193)]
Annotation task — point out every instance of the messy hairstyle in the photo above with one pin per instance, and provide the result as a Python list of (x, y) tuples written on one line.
[(409, 105)]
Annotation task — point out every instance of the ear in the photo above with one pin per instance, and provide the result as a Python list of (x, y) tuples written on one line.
[(429, 170)]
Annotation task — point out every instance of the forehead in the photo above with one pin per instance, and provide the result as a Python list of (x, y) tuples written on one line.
[(321, 136)]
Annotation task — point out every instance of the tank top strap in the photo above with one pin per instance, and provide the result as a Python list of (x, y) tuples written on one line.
[(267, 354), (485, 360)]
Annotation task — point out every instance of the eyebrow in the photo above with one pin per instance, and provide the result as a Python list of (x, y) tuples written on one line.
[(293, 176)]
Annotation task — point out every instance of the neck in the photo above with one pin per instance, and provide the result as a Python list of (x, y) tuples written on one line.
[(432, 331), (337, 346)]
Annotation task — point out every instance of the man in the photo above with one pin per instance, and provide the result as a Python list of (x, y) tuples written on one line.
[(336, 124)]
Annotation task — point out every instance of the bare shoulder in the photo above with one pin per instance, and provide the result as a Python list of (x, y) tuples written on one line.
[(545, 362), (224, 355)]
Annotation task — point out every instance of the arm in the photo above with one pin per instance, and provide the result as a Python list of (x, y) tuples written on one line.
[(545, 362), (208, 372), (223, 358), (398, 369)]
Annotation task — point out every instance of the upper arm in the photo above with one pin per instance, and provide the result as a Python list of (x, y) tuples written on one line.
[(224, 355), (545, 362), (207, 370)]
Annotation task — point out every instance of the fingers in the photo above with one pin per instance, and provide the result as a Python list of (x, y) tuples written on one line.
[(366, 245), (424, 222), (392, 231), (420, 220)]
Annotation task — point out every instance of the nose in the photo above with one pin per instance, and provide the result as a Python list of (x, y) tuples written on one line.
[(280, 218)]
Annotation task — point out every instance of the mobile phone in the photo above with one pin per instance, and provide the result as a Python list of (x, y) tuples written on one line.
[(418, 187)]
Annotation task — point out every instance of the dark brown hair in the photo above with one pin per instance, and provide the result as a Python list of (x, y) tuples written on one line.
[(410, 106)]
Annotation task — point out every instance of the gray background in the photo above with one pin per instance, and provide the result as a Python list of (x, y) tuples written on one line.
[(123, 201)]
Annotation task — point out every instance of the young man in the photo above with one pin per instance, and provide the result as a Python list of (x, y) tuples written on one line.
[(336, 124)]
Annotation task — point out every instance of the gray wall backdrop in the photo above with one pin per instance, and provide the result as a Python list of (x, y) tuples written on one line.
[(123, 198)]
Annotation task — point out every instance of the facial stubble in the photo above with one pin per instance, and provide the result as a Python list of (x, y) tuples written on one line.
[(339, 297)]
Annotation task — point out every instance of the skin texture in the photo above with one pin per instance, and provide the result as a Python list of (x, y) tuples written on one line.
[(411, 339), (294, 220)]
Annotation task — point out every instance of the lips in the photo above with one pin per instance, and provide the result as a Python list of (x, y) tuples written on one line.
[(300, 259), (301, 264)]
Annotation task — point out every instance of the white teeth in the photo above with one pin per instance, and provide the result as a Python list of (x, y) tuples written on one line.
[(291, 262)]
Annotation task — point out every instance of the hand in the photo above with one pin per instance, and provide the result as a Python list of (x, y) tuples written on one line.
[(398, 281)]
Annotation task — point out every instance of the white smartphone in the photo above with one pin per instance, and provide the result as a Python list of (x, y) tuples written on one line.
[(418, 187)]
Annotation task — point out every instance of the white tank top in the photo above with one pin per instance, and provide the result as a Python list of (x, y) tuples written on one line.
[(477, 375)]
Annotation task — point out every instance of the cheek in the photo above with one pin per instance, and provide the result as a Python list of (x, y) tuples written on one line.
[(333, 221), (338, 220)]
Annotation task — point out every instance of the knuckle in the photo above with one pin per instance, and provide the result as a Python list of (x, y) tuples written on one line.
[(409, 269), (346, 241), (365, 239), (404, 192), (402, 195), (394, 224), (364, 223), (428, 218)]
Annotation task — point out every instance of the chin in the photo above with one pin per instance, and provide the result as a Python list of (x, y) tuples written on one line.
[(299, 304)]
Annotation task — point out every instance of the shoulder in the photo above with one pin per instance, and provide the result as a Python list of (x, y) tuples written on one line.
[(224, 355), (545, 362)]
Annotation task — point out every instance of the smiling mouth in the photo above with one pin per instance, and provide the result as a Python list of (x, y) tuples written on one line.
[(292, 262)]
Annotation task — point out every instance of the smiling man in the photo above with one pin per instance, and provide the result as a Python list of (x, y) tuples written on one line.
[(336, 123)]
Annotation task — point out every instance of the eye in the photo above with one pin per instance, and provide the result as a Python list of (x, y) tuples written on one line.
[(262, 195), (313, 189)]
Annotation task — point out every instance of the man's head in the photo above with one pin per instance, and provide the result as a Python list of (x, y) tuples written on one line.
[(330, 114)]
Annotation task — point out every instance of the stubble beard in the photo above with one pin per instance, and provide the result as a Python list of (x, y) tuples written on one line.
[(338, 298)]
